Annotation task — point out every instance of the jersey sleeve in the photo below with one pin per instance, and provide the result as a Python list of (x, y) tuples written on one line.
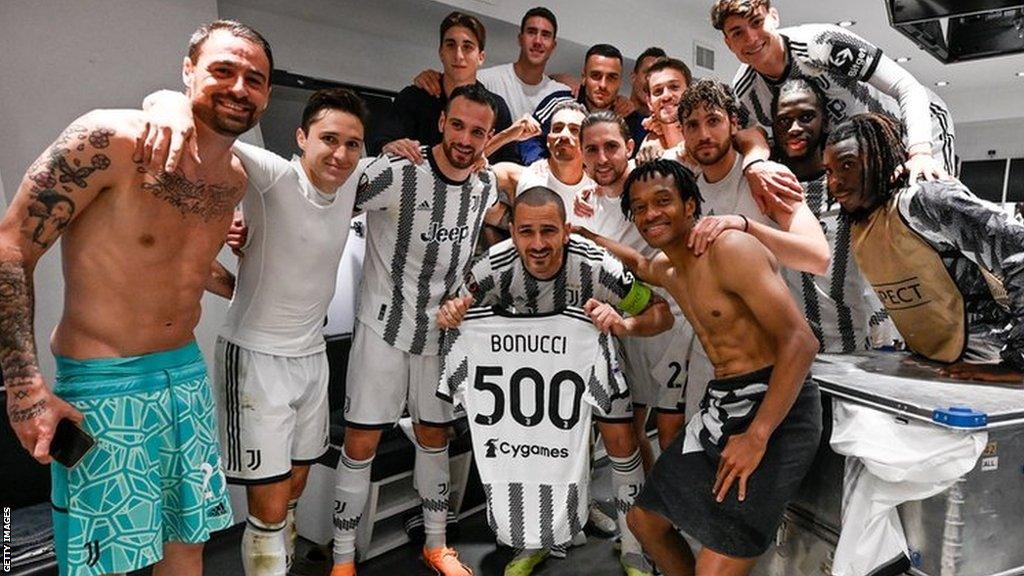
[(947, 214), (915, 106), (837, 50), (605, 383), (375, 190), (262, 167), (480, 283), (454, 368), (620, 288)]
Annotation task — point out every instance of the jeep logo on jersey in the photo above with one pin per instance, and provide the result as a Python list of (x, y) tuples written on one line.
[(848, 59), (438, 233), (494, 446)]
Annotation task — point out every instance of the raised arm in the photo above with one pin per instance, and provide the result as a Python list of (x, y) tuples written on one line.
[(643, 267), (221, 281), (82, 162), (893, 80), (748, 271)]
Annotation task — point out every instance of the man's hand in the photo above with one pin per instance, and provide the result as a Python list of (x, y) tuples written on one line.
[(35, 416), (429, 81), (623, 106), (605, 317), (708, 228), (406, 148), (984, 372), (453, 311), (523, 129), (773, 186), (651, 149), (581, 206), (742, 455), (922, 165), (238, 234), (168, 133)]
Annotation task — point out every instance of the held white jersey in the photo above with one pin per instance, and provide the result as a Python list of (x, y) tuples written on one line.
[(588, 271), (539, 174), (842, 64), (528, 385), (421, 230), (522, 98), (286, 279)]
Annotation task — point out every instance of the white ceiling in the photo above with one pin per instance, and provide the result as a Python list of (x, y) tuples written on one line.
[(982, 90)]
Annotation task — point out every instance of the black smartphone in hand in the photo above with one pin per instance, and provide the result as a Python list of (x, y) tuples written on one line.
[(70, 443)]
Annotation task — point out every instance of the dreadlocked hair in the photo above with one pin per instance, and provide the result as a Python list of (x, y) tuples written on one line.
[(879, 139), (686, 183)]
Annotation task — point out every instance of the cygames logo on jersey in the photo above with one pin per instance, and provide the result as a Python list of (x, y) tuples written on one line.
[(494, 446), (439, 233)]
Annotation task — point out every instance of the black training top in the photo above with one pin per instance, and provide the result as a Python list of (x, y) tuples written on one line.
[(414, 114)]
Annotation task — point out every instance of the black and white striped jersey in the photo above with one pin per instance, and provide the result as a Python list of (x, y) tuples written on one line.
[(843, 65), (529, 385), (421, 230), (588, 271), (839, 304)]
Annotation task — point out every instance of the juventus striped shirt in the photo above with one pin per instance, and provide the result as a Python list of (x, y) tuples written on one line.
[(421, 230), (529, 385)]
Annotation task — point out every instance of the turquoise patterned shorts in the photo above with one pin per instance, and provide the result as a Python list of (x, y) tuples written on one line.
[(154, 475)]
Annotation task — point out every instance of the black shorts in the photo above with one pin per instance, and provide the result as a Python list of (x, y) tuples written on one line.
[(679, 486)]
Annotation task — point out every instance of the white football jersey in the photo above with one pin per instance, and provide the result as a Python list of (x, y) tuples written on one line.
[(842, 64), (421, 230), (528, 385)]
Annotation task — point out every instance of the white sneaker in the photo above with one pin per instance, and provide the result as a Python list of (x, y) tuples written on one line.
[(600, 522)]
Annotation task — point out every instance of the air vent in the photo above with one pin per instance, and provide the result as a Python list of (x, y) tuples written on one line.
[(703, 56)]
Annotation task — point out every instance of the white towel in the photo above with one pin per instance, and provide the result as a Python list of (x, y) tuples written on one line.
[(889, 462)]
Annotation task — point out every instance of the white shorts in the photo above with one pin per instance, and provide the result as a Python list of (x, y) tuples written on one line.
[(273, 412), (656, 367), (382, 380)]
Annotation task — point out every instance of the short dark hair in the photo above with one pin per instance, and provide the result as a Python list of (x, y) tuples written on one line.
[(569, 105), (341, 99), (543, 13), (685, 181), (880, 140), (244, 31), (722, 9), (672, 64), (609, 117), (538, 196), (801, 85), (710, 94), (606, 50), (468, 21), (474, 93), (652, 52)]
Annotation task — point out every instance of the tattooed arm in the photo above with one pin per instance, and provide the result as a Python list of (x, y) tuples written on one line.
[(57, 188)]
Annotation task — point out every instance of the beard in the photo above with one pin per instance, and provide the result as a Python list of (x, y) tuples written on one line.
[(450, 151), (224, 123), (721, 149)]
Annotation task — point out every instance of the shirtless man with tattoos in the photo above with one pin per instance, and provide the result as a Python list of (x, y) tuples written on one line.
[(138, 251)]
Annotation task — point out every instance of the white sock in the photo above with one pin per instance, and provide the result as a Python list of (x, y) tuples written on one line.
[(263, 548), (351, 489), (290, 532), (627, 479), (431, 475)]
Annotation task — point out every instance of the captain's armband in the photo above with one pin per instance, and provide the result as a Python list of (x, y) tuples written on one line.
[(637, 299)]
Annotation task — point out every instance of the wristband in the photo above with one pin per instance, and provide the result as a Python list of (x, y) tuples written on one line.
[(746, 223), (747, 167)]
